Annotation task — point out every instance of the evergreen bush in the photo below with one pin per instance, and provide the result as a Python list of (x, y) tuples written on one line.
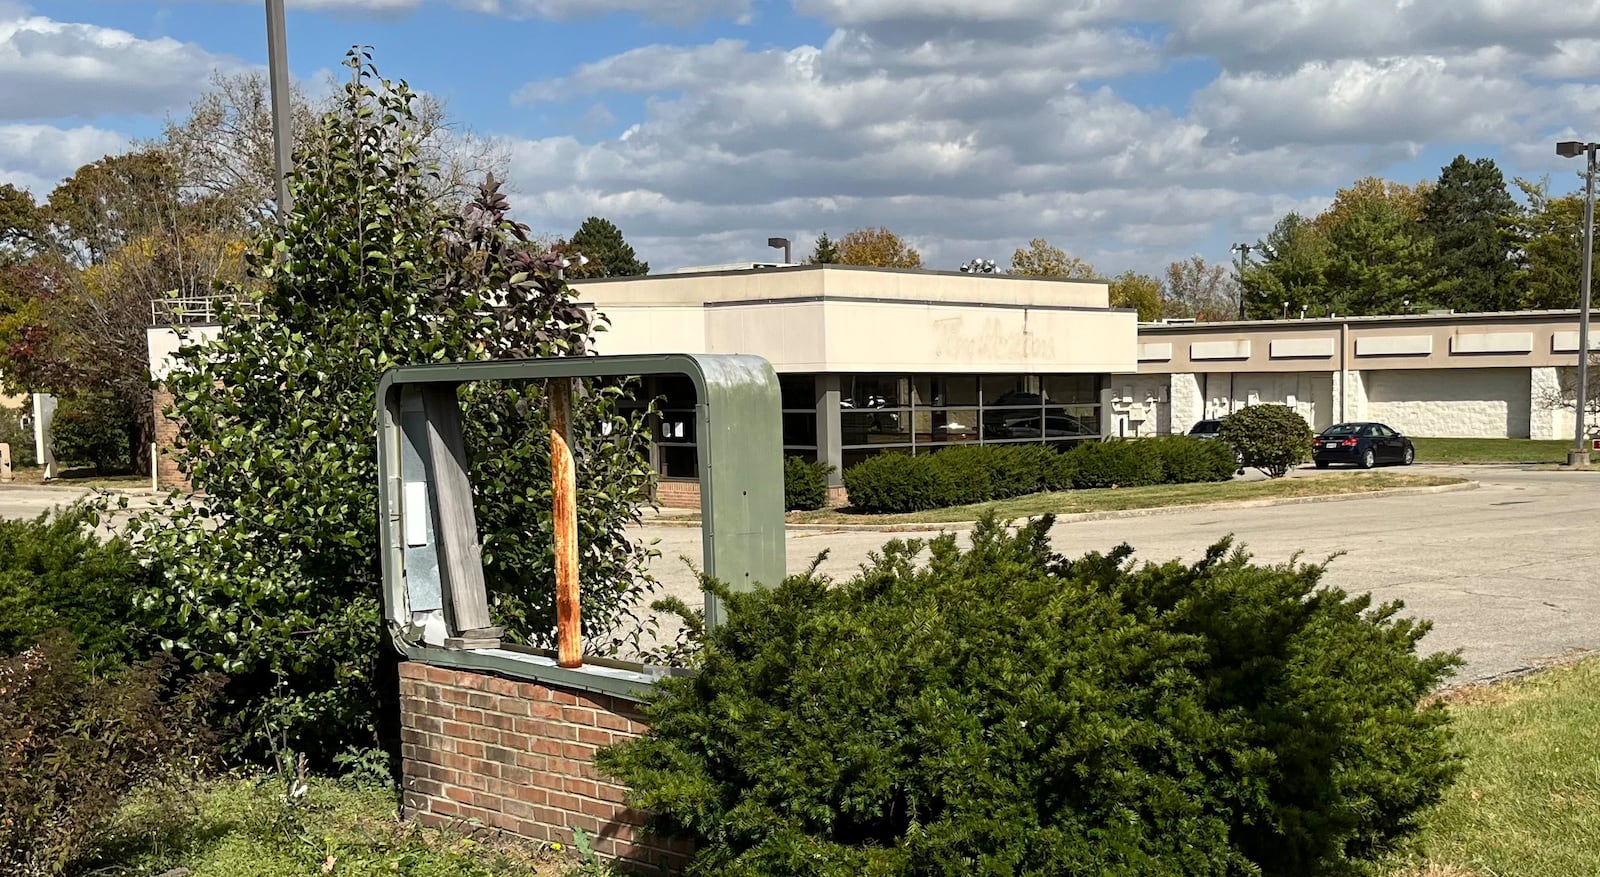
[(805, 484), (1004, 711), (1186, 460), (892, 482), (20, 438), (1116, 463)]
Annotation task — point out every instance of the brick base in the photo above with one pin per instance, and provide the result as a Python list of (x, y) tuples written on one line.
[(519, 757), (678, 494), (166, 437)]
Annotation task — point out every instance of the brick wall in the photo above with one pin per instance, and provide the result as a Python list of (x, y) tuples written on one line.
[(167, 474), (678, 494), (519, 756)]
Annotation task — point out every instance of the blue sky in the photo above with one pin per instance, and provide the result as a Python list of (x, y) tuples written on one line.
[(1129, 132)]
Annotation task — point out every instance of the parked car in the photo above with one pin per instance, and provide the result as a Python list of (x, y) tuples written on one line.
[(1362, 444), (1210, 429)]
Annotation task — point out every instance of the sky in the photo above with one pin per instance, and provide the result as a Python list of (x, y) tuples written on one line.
[(1128, 132)]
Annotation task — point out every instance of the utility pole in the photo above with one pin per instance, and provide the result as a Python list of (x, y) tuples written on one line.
[(1579, 456), (1244, 254), (278, 76)]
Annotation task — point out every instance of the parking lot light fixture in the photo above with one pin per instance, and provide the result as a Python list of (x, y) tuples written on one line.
[(1579, 455)]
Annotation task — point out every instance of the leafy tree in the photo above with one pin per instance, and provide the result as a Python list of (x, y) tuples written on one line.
[(112, 202), (1140, 292), (1199, 289), (1004, 711), (1272, 438), (1380, 260), (23, 225), (825, 252), (1472, 217), (1552, 247), (272, 570), (1042, 259), (600, 241), (878, 247), (1293, 269)]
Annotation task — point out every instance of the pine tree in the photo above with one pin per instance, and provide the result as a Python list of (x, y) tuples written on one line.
[(1470, 216), (1293, 267), (825, 252), (609, 255)]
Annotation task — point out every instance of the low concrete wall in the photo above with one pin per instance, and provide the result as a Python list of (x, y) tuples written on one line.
[(519, 757)]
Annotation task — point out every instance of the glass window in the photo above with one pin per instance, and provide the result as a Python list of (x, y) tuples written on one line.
[(874, 427), (944, 391), (680, 461), (874, 391), (677, 390), (935, 425), (800, 430), (1010, 391), (1070, 389), (798, 392)]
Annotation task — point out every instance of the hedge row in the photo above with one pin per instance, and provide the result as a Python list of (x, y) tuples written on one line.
[(968, 474)]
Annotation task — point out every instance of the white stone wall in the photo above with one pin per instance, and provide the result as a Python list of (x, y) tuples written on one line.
[(1309, 393), (1187, 404), (1461, 403), (1544, 391), (1139, 408)]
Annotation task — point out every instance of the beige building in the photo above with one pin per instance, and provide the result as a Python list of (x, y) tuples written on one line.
[(876, 360), (1493, 375)]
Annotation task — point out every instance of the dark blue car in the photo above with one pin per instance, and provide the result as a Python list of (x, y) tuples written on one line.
[(1361, 444)]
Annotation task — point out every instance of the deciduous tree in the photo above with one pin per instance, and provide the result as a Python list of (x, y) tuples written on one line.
[(1043, 259), (878, 247), (1199, 289), (1292, 268), (1139, 291), (1551, 257)]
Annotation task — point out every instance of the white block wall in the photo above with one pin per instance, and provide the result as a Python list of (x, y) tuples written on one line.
[(1459, 403), (1544, 388), (1188, 405)]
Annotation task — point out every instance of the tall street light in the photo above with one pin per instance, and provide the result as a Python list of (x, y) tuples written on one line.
[(278, 76), (1579, 455), (1244, 253), (780, 244)]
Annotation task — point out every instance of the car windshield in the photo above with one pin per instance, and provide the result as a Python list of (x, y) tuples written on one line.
[(1206, 426), (1343, 429)]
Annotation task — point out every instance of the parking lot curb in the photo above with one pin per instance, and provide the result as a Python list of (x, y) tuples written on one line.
[(1075, 517)]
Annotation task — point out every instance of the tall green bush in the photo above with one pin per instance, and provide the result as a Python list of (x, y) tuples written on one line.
[(805, 484), (272, 572), (1273, 438), (1186, 460), (91, 430), (894, 483), (55, 573), (19, 438), (1004, 711), (1116, 463)]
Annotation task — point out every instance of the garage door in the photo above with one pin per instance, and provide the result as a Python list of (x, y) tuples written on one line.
[(1458, 402)]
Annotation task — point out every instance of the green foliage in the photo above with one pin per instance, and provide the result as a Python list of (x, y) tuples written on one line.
[(272, 571), (957, 475), (1273, 438), (20, 438), (73, 744), (91, 430), (1471, 216), (805, 484), (1187, 460), (826, 252), (609, 255), (891, 482), (56, 574), (1138, 291), (1116, 463), (1551, 258), (1292, 267), (1005, 711)]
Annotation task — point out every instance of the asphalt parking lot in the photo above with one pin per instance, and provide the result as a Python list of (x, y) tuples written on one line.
[(1507, 572)]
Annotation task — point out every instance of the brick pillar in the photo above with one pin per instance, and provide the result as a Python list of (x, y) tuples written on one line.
[(166, 437)]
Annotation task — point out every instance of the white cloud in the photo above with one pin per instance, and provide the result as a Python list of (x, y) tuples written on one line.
[(53, 69), (38, 157), (680, 11)]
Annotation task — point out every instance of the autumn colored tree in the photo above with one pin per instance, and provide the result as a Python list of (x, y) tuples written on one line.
[(1200, 289), (1043, 259), (878, 247), (1140, 292)]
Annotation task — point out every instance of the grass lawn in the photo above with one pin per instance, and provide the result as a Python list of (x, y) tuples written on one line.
[(242, 828), (1528, 802), (1120, 499), (1471, 450)]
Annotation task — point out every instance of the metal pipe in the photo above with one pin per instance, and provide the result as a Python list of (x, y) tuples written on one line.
[(278, 76), (1580, 441)]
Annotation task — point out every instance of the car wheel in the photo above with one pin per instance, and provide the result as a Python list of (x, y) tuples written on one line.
[(1368, 460), (1322, 464), (1410, 457)]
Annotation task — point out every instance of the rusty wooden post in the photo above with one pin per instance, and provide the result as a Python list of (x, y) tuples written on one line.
[(564, 484)]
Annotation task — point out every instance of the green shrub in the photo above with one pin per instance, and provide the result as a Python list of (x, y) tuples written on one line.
[(1273, 438), (1018, 470), (805, 484), (55, 573), (965, 474), (1003, 711), (72, 744), (1115, 463), (20, 439), (90, 431), (892, 482), (1186, 460)]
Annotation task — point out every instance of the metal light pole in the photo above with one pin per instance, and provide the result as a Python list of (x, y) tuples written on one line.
[(1244, 253), (780, 244), (278, 76), (1579, 455)]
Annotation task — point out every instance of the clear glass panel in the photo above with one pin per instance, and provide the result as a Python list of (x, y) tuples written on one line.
[(1011, 391), (678, 390), (874, 391), (874, 427), (1070, 389), (680, 461), (798, 391), (943, 391), (946, 425), (800, 429)]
